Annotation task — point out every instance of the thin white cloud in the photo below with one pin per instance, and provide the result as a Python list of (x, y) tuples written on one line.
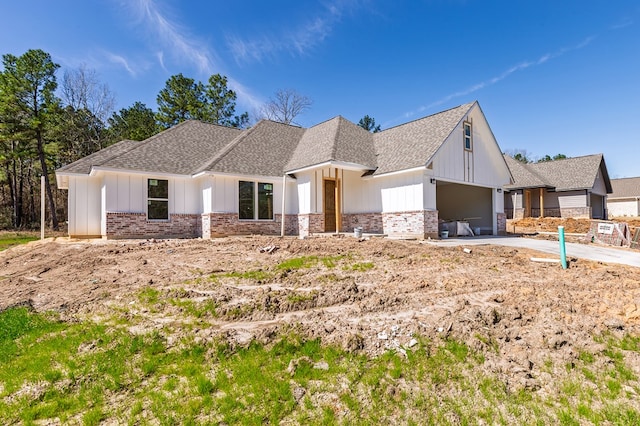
[(297, 42), (519, 67), (160, 57), (174, 38), (172, 35), (122, 61), (622, 24)]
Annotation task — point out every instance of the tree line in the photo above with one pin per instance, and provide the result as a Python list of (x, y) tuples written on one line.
[(45, 124)]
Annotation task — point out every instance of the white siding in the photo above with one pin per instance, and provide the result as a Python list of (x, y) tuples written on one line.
[(572, 199), (84, 205), (127, 193), (304, 192), (403, 192), (623, 208), (223, 192), (486, 164)]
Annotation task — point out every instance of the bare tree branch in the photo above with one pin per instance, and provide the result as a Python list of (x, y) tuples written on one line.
[(286, 105)]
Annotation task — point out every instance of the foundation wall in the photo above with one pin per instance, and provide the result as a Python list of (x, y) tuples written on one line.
[(136, 225)]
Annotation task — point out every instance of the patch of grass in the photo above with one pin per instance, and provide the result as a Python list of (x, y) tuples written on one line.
[(299, 297), (89, 373), (196, 309), (149, 295), (258, 275), (11, 239), (360, 267), (306, 262)]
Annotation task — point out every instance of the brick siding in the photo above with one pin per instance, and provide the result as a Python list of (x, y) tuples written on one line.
[(502, 224), (136, 225), (310, 223), (576, 212), (420, 223), (220, 224), (370, 222)]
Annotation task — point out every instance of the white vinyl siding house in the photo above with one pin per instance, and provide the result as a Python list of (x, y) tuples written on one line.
[(202, 180), (624, 201)]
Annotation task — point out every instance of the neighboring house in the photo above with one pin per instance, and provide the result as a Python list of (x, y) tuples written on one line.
[(203, 180), (572, 187), (625, 198)]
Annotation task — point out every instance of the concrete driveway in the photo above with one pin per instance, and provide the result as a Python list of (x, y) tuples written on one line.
[(594, 252)]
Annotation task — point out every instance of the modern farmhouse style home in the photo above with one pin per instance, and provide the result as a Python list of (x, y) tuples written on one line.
[(204, 180)]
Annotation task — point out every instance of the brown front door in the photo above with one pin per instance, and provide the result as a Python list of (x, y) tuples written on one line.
[(329, 206)]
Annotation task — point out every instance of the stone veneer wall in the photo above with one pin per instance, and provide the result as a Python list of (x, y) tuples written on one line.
[(420, 223), (136, 225), (218, 224), (519, 214), (576, 212), (502, 223), (310, 223), (370, 222)]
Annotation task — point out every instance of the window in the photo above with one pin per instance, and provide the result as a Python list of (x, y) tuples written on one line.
[(468, 145), (255, 200), (157, 199)]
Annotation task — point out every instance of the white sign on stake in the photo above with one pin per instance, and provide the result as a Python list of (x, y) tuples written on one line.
[(606, 228)]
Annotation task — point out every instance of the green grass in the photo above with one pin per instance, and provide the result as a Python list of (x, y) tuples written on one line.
[(11, 239), (306, 262), (89, 373)]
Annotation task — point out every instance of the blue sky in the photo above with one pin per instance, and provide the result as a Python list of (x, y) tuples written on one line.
[(551, 76)]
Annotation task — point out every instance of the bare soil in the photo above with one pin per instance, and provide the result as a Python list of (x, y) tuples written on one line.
[(572, 226), (368, 295)]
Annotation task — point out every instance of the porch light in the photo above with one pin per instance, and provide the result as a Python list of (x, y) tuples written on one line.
[(499, 190), (433, 181)]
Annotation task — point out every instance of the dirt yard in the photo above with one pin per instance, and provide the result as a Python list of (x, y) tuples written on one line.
[(368, 295), (550, 224)]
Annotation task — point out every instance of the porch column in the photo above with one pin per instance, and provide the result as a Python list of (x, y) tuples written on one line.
[(284, 204), (541, 202)]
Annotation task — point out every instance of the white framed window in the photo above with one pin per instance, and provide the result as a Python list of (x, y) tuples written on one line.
[(467, 135), (255, 200), (157, 199)]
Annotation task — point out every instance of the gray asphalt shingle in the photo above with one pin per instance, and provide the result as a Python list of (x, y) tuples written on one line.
[(413, 144), (625, 188), (271, 149), (564, 175)]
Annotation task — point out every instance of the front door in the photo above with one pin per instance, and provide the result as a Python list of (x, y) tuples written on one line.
[(329, 205)]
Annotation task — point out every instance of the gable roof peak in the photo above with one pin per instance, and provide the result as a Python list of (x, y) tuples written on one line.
[(466, 106)]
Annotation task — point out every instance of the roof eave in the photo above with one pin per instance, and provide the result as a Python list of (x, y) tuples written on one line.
[(332, 163)]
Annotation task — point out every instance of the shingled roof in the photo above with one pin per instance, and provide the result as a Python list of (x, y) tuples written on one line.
[(338, 140), (98, 158), (271, 149), (625, 188), (415, 143), (247, 153), (567, 174)]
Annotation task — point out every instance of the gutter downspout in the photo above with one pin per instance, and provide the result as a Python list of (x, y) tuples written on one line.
[(284, 195)]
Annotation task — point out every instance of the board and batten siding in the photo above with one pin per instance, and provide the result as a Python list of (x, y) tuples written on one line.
[(127, 193), (487, 167), (220, 194), (387, 194), (85, 205)]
